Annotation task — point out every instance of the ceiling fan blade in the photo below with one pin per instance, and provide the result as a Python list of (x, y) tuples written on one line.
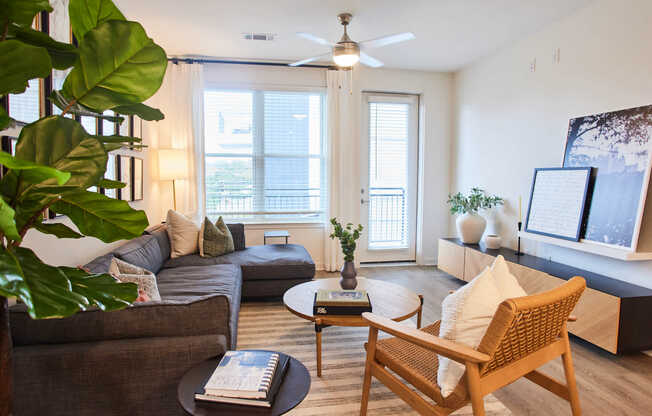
[(370, 61), (308, 60), (314, 38), (387, 40)]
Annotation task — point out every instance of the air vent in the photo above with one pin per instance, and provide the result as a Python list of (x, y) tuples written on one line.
[(258, 36)]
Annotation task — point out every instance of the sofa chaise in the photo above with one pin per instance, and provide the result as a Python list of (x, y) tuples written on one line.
[(129, 362)]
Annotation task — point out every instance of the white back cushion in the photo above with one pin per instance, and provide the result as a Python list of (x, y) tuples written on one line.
[(467, 313), (465, 316)]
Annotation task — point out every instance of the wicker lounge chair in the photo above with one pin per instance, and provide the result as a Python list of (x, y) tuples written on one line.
[(525, 333)]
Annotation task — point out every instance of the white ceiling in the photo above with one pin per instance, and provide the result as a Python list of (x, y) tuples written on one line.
[(449, 33)]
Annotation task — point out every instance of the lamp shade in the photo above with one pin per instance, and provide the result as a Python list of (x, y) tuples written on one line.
[(172, 164)]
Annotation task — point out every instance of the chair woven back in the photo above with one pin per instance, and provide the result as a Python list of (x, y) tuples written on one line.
[(524, 325)]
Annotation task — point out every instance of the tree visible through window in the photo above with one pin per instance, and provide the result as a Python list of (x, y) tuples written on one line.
[(265, 155)]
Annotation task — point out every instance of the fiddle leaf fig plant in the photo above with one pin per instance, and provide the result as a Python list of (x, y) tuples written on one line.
[(115, 66)]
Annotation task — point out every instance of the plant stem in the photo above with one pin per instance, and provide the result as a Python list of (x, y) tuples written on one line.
[(5, 359), (5, 30), (68, 107)]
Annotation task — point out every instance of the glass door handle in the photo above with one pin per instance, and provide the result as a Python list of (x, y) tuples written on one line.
[(363, 201)]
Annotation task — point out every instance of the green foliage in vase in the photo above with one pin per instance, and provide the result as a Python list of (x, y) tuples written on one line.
[(115, 66), (348, 235), (477, 199)]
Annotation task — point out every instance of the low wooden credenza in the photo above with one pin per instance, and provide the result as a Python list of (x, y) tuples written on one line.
[(612, 314)]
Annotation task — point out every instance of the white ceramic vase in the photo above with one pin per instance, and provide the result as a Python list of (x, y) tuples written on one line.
[(470, 227), (493, 241)]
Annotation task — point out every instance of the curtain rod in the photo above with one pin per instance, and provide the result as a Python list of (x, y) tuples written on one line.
[(226, 61)]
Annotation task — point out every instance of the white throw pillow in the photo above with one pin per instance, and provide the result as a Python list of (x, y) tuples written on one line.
[(183, 233), (505, 281), (465, 316), (467, 313)]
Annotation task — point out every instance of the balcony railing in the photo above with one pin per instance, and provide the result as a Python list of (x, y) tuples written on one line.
[(388, 222), (387, 218)]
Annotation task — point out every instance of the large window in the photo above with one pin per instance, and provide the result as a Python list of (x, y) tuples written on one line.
[(265, 157)]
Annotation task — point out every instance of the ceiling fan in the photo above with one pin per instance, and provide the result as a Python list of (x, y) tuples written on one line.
[(347, 52)]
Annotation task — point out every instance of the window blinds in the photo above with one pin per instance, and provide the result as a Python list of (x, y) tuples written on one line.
[(265, 154)]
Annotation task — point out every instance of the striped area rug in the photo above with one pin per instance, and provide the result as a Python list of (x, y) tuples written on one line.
[(270, 326)]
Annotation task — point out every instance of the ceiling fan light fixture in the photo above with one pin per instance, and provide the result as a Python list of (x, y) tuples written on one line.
[(346, 54)]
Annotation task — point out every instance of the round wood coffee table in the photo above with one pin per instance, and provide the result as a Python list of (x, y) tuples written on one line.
[(293, 390), (387, 299)]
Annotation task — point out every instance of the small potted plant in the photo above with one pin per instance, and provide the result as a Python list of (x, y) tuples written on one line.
[(348, 235), (470, 225)]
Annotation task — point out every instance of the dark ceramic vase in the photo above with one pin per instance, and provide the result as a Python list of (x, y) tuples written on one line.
[(348, 281)]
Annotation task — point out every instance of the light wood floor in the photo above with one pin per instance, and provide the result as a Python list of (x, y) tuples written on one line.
[(608, 384)]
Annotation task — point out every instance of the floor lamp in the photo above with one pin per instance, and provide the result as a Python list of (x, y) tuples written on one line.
[(172, 165)]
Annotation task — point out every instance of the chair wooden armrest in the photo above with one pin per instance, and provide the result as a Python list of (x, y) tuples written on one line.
[(572, 318), (453, 350)]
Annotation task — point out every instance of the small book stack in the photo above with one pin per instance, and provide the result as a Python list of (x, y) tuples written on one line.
[(341, 302), (250, 378)]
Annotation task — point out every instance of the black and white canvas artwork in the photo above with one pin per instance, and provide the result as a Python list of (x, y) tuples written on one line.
[(617, 144)]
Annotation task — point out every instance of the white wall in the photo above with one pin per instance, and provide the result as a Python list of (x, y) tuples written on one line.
[(509, 120)]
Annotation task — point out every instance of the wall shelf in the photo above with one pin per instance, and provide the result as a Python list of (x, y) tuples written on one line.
[(589, 247)]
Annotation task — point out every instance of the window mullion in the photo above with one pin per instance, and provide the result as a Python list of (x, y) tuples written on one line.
[(259, 151)]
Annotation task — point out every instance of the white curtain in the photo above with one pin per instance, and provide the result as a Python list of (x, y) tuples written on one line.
[(181, 99), (340, 128)]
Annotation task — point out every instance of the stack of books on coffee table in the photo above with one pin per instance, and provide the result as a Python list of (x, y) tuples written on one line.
[(250, 378), (341, 302)]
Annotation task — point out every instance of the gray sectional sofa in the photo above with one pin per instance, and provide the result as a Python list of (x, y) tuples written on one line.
[(129, 362)]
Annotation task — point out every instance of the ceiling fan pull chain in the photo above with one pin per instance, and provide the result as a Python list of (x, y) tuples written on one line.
[(350, 80)]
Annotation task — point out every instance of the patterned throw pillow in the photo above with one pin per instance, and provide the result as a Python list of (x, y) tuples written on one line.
[(215, 239), (128, 273)]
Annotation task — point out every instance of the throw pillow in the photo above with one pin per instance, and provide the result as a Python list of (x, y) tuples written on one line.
[(183, 234), (506, 282), (128, 273), (467, 313), (215, 239), (465, 316)]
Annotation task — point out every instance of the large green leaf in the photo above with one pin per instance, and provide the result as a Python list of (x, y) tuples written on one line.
[(58, 229), (107, 76), (88, 14), (33, 172), (57, 292), (99, 216), (19, 63), (63, 55), (141, 110), (45, 290), (22, 11), (101, 290), (63, 144), (7, 221), (111, 184)]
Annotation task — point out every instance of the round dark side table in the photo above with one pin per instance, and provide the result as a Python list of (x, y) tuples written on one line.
[(293, 390)]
